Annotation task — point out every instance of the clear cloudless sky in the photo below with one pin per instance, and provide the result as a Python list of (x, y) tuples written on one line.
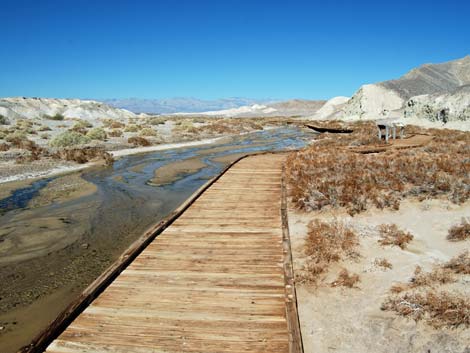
[(223, 48)]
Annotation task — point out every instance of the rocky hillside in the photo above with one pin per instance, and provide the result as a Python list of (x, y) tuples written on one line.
[(418, 92), (38, 108), (447, 107)]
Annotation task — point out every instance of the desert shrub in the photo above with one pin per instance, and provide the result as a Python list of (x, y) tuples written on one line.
[(57, 117), (422, 298), (3, 134), (69, 138), (82, 124), (44, 136), (84, 154), (439, 309), (96, 133), (439, 275), (184, 126), (156, 120), (384, 263), (4, 147), (17, 135), (326, 243), (391, 235), (116, 125), (115, 133), (138, 141), (459, 264), (4, 120), (345, 279), (328, 173), (148, 132), (131, 128), (44, 128), (460, 231), (23, 123)]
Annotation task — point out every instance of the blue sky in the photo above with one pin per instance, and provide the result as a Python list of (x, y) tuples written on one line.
[(214, 49)]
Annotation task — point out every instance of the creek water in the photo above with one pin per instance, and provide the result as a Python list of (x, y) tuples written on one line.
[(51, 253)]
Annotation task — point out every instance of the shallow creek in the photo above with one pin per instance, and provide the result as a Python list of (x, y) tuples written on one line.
[(49, 252)]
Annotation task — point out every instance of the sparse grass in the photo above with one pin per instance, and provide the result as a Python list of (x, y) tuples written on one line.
[(326, 243), (384, 263), (97, 134), (156, 120), (328, 174), (82, 124), (17, 135), (460, 231), (69, 138), (391, 235), (148, 132), (57, 117), (131, 128), (345, 279)]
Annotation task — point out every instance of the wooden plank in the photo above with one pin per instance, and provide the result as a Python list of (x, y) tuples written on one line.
[(216, 279)]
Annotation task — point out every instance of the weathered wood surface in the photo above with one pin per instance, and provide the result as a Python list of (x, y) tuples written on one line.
[(213, 281)]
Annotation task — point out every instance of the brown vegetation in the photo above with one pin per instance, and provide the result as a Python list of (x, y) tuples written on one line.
[(391, 235), (84, 154), (439, 309), (115, 133), (384, 263), (459, 264), (422, 297), (345, 279), (437, 276), (326, 243), (4, 147), (329, 174), (138, 141), (460, 231)]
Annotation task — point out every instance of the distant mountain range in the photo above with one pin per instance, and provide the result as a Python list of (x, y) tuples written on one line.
[(182, 104)]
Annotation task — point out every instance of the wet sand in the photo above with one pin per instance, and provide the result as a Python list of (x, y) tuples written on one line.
[(63, 189), (177, 170), (7, 189)]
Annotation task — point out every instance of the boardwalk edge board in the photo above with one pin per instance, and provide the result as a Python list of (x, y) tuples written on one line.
[(295, 335), (67, 316)]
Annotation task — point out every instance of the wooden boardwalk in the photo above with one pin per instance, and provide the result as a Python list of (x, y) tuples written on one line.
[(218, 279)]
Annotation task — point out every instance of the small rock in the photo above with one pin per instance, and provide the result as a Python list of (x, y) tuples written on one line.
[(85, 245)]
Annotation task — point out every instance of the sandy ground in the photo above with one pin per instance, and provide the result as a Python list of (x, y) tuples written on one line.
[(174, 171), (340, 319)]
